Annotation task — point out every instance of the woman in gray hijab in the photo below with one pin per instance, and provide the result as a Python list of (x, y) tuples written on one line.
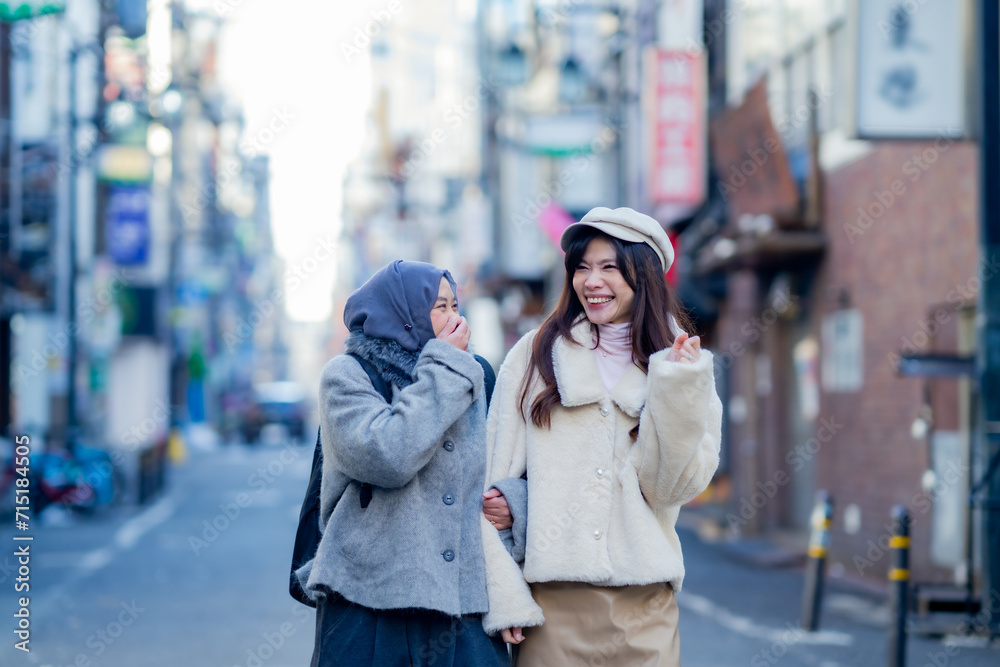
[(399, 575)]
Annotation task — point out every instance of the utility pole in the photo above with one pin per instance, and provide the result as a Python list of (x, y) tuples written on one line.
[(988, 322), (6, 145)]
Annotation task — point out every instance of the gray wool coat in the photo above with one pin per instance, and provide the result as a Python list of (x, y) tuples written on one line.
[(418, 544)]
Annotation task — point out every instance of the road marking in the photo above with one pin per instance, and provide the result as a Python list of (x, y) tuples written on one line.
[(96, 559), (132, 530), (746, 627), (126, 537)]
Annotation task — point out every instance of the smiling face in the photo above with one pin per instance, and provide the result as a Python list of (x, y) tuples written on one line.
[(600, 285), (446, 306)]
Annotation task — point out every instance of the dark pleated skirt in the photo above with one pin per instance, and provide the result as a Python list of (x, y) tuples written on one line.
[(350, 635)]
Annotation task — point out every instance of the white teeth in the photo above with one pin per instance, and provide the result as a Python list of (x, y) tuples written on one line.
[(603, 299)]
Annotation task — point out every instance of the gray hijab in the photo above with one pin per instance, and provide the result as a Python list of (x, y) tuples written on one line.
[(395, 303)]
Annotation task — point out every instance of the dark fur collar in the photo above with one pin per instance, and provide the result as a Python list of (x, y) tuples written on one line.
[(393, 362)]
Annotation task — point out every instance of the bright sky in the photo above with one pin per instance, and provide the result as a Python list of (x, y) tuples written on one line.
[(285, 60)]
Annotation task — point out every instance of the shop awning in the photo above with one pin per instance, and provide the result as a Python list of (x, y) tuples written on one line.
[(778, 248)]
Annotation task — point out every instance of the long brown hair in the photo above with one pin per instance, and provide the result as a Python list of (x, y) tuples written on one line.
[(652, 306)]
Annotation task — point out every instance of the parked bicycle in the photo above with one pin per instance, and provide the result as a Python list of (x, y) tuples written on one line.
[(80, 478)]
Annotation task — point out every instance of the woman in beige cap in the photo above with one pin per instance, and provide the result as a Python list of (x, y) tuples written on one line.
[(605, 420)]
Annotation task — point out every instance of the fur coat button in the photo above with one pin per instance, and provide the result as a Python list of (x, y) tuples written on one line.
[(597, 534), (604, 412)]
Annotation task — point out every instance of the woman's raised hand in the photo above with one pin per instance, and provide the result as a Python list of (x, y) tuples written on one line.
[(496, 509), (456, 332), (686, 349)]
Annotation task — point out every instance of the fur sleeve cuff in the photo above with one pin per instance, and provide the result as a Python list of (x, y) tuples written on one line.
[(511, 604)]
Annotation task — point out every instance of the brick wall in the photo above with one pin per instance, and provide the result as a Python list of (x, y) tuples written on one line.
[(917, 243)]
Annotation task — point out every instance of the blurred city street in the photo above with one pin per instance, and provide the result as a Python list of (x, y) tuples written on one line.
[(191, 190), (191, 581)]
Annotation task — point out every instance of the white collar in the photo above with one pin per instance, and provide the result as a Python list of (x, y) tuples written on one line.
[(579, 381)]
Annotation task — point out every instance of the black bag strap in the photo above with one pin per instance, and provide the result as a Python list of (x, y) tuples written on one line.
[(384, 388), (307, 534), (489, 379)]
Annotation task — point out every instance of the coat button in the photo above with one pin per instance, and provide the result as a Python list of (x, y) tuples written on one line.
[(604, 412), (597, 534), (448, 555), (449, 446), (599, 472), (448, 499)]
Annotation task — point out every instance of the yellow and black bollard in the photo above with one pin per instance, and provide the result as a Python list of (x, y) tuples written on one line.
[(899, 585), (819, 543)]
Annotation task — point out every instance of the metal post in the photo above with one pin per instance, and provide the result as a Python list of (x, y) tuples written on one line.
[(899, 585), (988, 347), (72, 355), (819, 544)]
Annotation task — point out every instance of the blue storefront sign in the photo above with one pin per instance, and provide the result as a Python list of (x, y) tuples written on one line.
[(127, 225)]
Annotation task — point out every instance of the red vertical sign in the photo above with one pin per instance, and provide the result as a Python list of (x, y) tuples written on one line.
[(677, 127)]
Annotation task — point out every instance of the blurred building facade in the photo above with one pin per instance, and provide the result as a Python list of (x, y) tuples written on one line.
[(837, 249), (137, 253), (413, 192)]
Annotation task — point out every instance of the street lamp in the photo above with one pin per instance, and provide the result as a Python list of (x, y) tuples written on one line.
[(573, 82), (511, 66)]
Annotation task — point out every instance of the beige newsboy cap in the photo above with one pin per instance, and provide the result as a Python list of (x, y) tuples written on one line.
[(625, 224)]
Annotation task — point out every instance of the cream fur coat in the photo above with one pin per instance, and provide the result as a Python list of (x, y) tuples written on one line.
[(601, 508)]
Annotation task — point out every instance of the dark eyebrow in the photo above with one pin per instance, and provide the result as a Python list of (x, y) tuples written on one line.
[(445, 299)]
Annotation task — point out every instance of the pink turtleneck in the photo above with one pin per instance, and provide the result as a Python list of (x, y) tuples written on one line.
[(614, 354)]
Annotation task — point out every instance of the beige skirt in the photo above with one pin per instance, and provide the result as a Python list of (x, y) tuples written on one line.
[(594, 626)]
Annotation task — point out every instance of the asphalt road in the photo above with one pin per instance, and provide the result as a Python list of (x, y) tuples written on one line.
[(199, 578)]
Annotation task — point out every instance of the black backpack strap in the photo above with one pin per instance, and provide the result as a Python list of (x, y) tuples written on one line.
[(381, 386), (384, 388), (307, 534), (489, 379)]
